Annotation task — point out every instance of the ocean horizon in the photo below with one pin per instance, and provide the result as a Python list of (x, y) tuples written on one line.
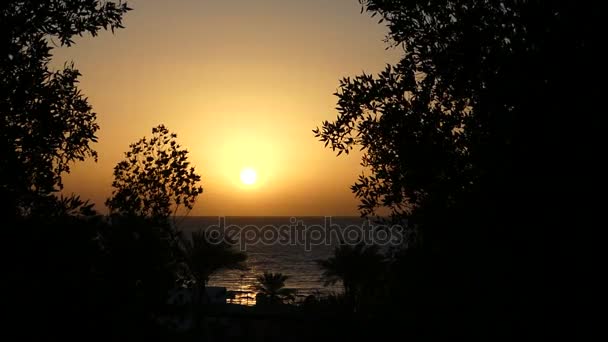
[(293, 259)]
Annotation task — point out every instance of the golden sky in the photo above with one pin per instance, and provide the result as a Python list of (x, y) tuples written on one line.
[(242, 83)]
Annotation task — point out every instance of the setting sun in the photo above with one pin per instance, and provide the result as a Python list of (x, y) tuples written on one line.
[(248, 176)]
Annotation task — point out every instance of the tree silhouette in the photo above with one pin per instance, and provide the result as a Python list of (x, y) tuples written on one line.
[(271, 289), (359, 268), (155, 179), (480, 120), (206, 254), (46, 122), (439, 128)]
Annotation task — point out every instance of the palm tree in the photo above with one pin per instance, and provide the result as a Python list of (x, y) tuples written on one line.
[(205, 255), (271, 288), (357, 267)]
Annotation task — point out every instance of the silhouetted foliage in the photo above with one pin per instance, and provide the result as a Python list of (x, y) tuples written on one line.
[(150, 185), (206, 254), (111, 280), (61, 206), (46, 122), (271, 289), (482, 86), (142, 264), (359, 268), (73, 276), (439, 128), (155, 179)]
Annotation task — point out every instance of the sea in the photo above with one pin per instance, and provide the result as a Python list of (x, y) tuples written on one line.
[(272, 244)]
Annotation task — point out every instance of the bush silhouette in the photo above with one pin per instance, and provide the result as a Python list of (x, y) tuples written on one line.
[(155, 179)]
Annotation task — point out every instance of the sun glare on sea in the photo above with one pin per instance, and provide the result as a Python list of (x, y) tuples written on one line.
[(248, 176)]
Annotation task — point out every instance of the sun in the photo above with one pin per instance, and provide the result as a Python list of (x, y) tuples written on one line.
[(248, 176)]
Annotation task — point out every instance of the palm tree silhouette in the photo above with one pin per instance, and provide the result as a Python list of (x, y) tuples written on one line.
[(205, 255), (271, 289), (357, 267)]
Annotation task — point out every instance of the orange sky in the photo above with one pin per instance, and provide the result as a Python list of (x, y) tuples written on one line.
[(242, 83)]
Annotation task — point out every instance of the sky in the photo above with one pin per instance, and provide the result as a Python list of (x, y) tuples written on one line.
[(242, 83)]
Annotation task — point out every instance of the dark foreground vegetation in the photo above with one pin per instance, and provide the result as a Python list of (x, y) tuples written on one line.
[(477, 138)]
